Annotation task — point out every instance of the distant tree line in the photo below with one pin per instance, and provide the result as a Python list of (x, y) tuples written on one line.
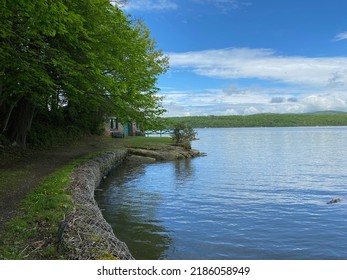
[(65, 65), (265, 120)]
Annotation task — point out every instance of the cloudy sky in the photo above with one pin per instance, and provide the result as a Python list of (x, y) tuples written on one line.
[(240, 57)]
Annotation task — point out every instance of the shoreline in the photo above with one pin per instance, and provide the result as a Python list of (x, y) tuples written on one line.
[(84, 233), (50, 208)]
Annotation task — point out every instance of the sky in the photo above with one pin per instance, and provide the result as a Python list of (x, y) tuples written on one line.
[(242, 57)]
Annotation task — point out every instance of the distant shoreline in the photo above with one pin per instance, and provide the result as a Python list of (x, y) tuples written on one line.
[(324, 118)]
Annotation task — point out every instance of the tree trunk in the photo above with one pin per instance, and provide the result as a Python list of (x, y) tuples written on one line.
[(5, 114), (20, 122)]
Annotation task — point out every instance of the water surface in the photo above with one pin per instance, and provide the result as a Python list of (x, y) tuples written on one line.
[(260, 193)]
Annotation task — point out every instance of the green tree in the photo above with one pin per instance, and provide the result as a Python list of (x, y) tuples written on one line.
[(67, 62), (24, 80)]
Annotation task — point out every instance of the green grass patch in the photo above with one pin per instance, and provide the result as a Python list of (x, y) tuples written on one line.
[(32, 233), (143, 142)]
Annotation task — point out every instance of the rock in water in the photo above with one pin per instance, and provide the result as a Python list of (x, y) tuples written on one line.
[(334, 200)]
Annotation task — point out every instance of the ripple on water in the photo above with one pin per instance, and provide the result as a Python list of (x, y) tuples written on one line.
[(259, 194)]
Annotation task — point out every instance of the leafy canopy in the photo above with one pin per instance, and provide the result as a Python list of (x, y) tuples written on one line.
[(67, 62)]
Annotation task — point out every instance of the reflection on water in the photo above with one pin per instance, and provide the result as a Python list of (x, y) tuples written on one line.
[(259, 194), (135, 192), (129, 219)]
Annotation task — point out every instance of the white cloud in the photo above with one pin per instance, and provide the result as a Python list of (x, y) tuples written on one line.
[(341, 36), (301, 84), (150, 5), (251, 111), (324, 102), (264, 64), (231, 112), (252, 100)]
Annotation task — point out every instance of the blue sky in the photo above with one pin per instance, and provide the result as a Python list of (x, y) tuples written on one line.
[(240, 57)]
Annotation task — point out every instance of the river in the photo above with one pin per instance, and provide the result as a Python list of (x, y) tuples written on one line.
[(260, 193)]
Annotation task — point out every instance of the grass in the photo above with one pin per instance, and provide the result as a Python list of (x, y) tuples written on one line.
[(147, 142), (31, 234)]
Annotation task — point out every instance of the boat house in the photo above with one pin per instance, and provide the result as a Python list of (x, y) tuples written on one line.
[(119, 130)]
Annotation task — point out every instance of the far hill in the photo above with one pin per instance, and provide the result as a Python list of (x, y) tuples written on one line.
[(328, 113), (323, 118)]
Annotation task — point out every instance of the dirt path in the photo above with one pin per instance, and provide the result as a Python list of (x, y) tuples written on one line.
[(21, 171)]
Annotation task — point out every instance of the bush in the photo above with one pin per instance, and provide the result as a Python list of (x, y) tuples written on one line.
[(183, 135), (44, 135)]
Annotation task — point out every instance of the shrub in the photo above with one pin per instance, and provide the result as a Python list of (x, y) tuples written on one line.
[(183, 135)]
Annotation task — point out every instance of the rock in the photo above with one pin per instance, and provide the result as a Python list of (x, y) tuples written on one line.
[(172, 153), (334, 200), (196, 153), (133, 159)]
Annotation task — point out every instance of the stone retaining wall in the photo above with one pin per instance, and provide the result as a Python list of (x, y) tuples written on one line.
[(85, 232)]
